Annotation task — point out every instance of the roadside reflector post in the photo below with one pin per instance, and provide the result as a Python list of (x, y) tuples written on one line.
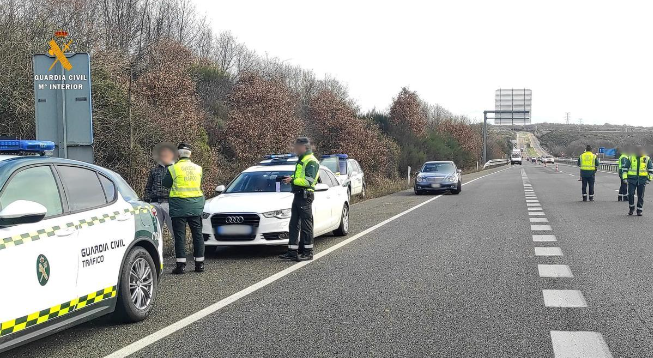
[(408, 176)]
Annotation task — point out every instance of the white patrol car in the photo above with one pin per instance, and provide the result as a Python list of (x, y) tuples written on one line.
[(348, 172), (254, 209), (75, 244)]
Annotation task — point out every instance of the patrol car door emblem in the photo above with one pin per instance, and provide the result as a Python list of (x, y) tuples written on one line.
[(42, 270)]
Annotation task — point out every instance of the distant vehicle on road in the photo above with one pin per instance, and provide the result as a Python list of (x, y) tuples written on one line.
[(534, 160), (76, 243), (515, 158), (548, 159), (438, 176), (254, 209), (348, 172)]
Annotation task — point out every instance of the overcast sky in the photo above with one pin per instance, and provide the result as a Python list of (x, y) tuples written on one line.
[(591, 58)]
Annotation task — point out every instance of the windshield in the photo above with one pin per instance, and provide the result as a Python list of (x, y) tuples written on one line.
[(335, 165), (265, 181), (438, 167), (516, 155)]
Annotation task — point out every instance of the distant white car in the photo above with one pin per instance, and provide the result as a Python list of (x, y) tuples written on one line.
[(548, 159), (348, 172), (254, 209), (515, 158)]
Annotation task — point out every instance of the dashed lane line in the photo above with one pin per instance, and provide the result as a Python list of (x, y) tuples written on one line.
[(554, 271), (541, 228), (544, 238), (539, 220), (564, 298), (579, 344), (181, 324)]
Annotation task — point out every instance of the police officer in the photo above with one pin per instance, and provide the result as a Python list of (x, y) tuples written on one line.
[(637, 173), (184, 179), (301, 220), (623, 188), (588, 163), (155, 193)]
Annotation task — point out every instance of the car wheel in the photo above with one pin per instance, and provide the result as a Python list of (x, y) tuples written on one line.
[(418, 192), (459, 188), (137, 287), (343, 229)]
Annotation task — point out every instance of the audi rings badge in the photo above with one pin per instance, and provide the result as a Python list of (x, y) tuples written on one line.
[(234, 219)]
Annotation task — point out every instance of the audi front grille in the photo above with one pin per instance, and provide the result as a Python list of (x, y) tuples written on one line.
[(235, 219)]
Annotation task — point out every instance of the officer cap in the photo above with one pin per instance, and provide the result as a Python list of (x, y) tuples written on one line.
[(183, 146), (303, 141)]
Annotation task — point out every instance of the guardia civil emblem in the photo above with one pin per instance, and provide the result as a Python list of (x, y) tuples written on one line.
[(42, 269)]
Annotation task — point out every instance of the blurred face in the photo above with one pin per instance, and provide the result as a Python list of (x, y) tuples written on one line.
[(166, 156), (300, 149), (640, 152)]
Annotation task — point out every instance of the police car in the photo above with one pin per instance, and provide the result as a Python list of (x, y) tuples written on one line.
[(254, 209), (347, 171), (75, 244)]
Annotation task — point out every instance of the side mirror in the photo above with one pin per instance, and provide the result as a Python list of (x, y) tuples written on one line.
[(219, 189), (321, 187), (22, 212)]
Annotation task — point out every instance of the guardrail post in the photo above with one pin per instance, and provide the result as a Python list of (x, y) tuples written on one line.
[(408, 176)]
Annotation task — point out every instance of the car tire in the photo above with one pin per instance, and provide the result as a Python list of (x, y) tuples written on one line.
[(343, 228), (459, 188), (418, 192), (140, 273)]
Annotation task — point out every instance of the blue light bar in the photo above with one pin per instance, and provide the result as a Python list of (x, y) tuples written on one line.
[(280, 156), (26, 146), (341, 156)]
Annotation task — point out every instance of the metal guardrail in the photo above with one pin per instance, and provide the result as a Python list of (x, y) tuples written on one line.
[(495, 162), (608, 166)]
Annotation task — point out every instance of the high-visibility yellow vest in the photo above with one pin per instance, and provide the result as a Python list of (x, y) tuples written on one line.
[(588, 161), (300, 178), (186, 179), (640, 170), (621, 161)]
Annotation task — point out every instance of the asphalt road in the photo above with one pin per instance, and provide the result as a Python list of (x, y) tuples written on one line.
[(467, 275)]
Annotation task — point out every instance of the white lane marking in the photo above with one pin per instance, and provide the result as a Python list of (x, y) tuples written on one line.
[(533, 204), (544, 238), (539, 220), (535, 209), (556, 271), (564, 298), (532, 201), (579, 344), (184, 322), (548, 251), (536, 213), (541, 227)]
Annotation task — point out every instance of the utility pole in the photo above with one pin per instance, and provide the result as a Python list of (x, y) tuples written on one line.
[(567, 117)]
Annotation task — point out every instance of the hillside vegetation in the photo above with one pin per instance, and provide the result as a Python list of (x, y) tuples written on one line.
[(160, 74)]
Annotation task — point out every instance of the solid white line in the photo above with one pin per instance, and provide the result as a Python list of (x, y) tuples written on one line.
[(184, 322), (555, 271), (568, 344), (544, 238), (564, 298)]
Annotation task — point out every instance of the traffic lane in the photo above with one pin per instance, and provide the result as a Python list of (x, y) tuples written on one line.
[(449, 279), (608, 256), (228, 271)]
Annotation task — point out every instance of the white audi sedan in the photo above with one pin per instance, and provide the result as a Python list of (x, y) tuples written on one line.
[(254, 209)]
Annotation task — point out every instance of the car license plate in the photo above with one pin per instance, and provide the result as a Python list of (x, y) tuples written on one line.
[(435, 185), (234, 230)]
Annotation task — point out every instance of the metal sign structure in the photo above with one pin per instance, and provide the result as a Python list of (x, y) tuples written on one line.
[(485, 113), (513, 106), (62, 96)]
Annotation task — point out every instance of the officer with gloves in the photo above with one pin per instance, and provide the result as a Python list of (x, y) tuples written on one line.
[(303, 183), (637, 173), (588, 163), (184, 179), (623, 188)]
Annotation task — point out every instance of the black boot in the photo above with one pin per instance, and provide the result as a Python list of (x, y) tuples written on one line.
[(584, 198), (181, 267), (631, 211), (639, 213), (306, 256), (290, 255), (199, 266), (619, 198), (591, 198)]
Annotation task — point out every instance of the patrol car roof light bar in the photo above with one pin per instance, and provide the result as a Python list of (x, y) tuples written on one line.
[(279, 156), (341, 156), (18, 146)]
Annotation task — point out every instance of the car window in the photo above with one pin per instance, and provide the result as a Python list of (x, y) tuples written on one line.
[(109, 188), (263, 181), (331, 163), (324, 178), (83, 188), (438, 168), (33, 184), (357, 166), (350, 167), (332, 177)]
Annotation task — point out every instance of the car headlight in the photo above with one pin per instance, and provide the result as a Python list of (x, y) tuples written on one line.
[(419, 178), (451, 179), (279, 214), (206, 215)]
